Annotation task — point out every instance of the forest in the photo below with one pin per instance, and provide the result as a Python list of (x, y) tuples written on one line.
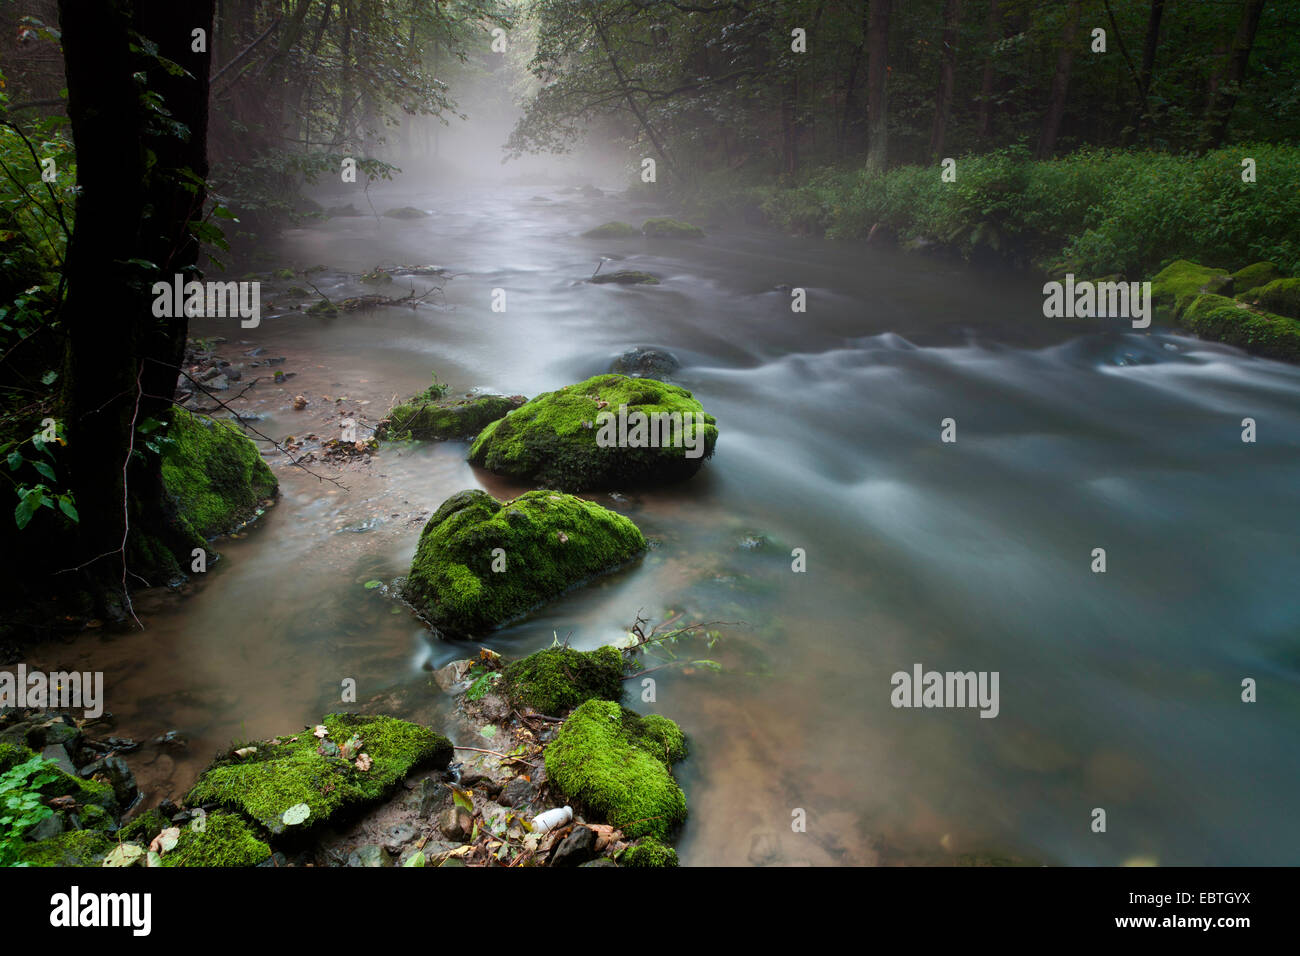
[(472, 432)]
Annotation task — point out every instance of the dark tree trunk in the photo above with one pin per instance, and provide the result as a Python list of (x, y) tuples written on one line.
[(1150, 47), (1060, 83), (1224, 96), (877, 74), (984, 122), (121, 363), (943, 96)]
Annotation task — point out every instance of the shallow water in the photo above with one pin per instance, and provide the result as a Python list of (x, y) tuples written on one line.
[(1118, 690)]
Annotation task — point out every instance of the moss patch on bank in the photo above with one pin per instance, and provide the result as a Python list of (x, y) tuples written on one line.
[(612, 230), (608, 760), (225, 840), (214, 472), (553, 439), (1222, 319), (663, 228), (541, 544), (648, 852), (1281, 296), (556, 680), (73, 848), (1177, 284), (302, 768)]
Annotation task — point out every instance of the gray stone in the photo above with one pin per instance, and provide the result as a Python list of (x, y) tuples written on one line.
[(517, 793), (369, 855), (576, 848)]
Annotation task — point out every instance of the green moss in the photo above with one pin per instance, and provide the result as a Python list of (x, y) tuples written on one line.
[(648, 852), (73, 848), (599, 760), (449, 418), (659, 735), (144, 827), (226, 840), (552, 440), (549, 543), (1254, 276), (1281, 296), (406, 212), (1176, 285), (612, 230), (670, 229), (278, 776), (215, 474), (323, 307), (1222, 319), (556, 680), (284, 273)]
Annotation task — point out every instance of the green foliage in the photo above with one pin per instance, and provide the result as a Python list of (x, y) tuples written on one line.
[(648, 852), (21, 805)]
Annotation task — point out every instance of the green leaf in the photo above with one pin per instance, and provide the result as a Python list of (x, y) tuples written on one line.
[(15, 460), (371, 585), (416, 859), (45, 470), (68, 508), (27, 506), (49, 377), (296, 814)]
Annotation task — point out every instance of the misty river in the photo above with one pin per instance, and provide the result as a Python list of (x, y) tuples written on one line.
[(1119, 690)]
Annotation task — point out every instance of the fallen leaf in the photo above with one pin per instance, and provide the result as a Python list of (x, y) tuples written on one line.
[(363, 763), (321, 730), (296, 814), (165, 840), (124, 854), (245, 751)]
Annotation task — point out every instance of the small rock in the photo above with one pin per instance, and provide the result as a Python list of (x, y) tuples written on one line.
[(518, 792), (369, 855), (456, 823), (47, 829), (576, 848)]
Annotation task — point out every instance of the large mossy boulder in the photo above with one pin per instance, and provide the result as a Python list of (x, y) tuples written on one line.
[(1225, 320), (438, 419), (1281, 296), (1255, 275), (663, 228), (1177, 284), (563, 439), (214, 474), (558, 679), (325, 773), (71, 848), (616, 764), (482, 562)]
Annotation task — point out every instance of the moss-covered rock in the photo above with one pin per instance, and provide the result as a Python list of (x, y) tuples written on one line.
[(405, 212), (214, 473), (1255, 275), (302, 768), (1224, 320), (556, 680), (435, 419), (562, 439), (612, 230), (73, 848), (144, 827), (1178, 283), (1281, 296), (607, 760), (225, 840), (648, 852), (670, 229), (624, 277), (548, 543)]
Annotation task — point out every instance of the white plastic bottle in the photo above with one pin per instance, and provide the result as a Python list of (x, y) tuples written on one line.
[(551, 819)]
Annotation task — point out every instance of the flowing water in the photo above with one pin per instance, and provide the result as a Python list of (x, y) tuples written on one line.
[(1119, 691)]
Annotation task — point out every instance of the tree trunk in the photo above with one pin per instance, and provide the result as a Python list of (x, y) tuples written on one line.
[(943, 97), (1060, 83), (121, 362), (984, 121), (1149, 48), (1224, 97), (877, 74)]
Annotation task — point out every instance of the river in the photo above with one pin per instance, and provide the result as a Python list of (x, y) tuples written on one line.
[(1118, 690)]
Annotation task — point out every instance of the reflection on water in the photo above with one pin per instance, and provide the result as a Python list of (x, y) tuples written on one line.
[(1118, 690)]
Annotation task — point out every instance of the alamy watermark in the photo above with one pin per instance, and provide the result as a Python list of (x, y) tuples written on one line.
[(1101, 300), (651, 430), (922, 688), (62, 690), (208, 299)]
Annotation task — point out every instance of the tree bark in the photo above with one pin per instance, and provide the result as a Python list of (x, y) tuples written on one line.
[(947, 68), (984, 122), (1060, 83), (121, 362), (877, 76), (1224, 96)]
